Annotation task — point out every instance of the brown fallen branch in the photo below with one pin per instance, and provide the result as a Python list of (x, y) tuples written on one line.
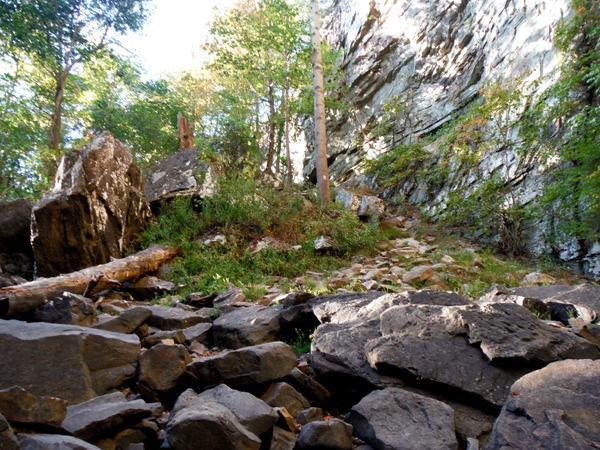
[(18, 300)]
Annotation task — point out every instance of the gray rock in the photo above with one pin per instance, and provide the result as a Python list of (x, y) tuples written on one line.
[(228, 297), (247, 326), (283, 395), (296, 298), (180, 174), (15, 226), (168, 319), (52, 442), (350, 200), (94, 211), (68, 309), (146, 288), (8, 440), (110, 412), (395, 419), (157, 338), (557, 407), (314, 392), (127, 321), (199, 333), (250, 365), (333, 434), (79, 363), (163, 367), (310, 415), (371, 207), (323, 243), (18, 405), (199, 300), (282, 439), (253, 413), (199, 423)]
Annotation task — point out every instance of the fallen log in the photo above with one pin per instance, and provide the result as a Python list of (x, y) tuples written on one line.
[(18, 300)]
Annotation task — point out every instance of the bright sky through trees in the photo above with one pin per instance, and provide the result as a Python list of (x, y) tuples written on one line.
[(172, 34)]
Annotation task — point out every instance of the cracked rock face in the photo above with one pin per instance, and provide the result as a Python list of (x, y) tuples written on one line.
[(95, 209)]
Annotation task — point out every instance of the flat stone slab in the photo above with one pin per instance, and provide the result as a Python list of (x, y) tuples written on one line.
[(18, 405), (168, 319), (52, 442), (247, 326)]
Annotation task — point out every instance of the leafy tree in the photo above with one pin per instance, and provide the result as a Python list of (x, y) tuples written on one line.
[(59, 35)]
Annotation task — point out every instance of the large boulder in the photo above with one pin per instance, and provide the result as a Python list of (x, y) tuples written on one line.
[(246, 366), (247, 326), (332, 434), (68, 309), (554, 408), (52, 442), (94, 211), (283, 395), (15, 227), (107, 413), (196, 422), (18, 405), (163, 367), (168, 319), (78, 363), (394, 419), (180, 174)]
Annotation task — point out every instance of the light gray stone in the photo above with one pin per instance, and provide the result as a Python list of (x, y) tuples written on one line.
[(127, 321), (168, 319), (52, 442), (247, 326)]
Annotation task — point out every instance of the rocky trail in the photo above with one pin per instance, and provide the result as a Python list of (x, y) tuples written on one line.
[(388, 358)]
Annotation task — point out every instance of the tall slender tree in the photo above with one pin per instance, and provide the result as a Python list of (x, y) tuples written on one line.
[(320, 131)]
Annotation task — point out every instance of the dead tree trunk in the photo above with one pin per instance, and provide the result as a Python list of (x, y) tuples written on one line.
[(18, 300), (184, 133)]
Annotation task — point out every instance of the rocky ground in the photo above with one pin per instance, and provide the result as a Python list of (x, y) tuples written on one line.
[(388, 358)]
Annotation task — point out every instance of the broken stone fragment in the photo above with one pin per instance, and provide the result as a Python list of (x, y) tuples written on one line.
[(8, 440), (418, 273), (332, 434), (283, 395), (18, 405), (163, 367)]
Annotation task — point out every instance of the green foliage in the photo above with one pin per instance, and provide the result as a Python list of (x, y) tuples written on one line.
[(301, 342)]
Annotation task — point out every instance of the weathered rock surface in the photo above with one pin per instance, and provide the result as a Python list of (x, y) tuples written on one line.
[(228, 297), (310, 415), (18, 405), (282, 439), (95, 209), (283, 395), (247, 326), (199, 423), (107, 413), (333, 434), (52, 442), (163, 367), (199, 333), (79, 363), (8, 440), (253, 413), (350, 200), (557, 407), (394, 419), (181, 174), (15, 226), (68, 309), (167, 319), (127, 321), (250, 365), (371, 207)]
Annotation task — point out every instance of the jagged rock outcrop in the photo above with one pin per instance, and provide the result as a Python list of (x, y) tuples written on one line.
[(15, 226), (94, 211)]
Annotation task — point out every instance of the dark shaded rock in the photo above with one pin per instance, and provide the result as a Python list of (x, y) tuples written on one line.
[(557, 407), (333, 434), (130, 437), (283, 395), (52, 442), (157, 338), (199, 423), (199, 300), (297, 298), (310, 415), (108, 413), (200, 333), (253, 413), (94, 211), (394, 419), (314, 392), (15, 226), (163, 367), (282, 439), (146, 288), (168, 319), (227, 297), (247, 326), (79, 363), (250, 365), (8, 440), (18, 405), (127, 322), (180, 174), (69, 309)]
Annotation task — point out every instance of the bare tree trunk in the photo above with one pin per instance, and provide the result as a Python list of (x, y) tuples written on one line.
[(287, 124), (56, 121), (184, 133), (271, 148), (19, 300), (320, 132)]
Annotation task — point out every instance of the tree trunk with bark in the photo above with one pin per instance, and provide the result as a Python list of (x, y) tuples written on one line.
[(18, 300), (320, 132), (184, 133), (287, 125), (271, 148)]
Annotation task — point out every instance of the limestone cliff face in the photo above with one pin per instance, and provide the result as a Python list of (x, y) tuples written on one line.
[(431, 57)]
